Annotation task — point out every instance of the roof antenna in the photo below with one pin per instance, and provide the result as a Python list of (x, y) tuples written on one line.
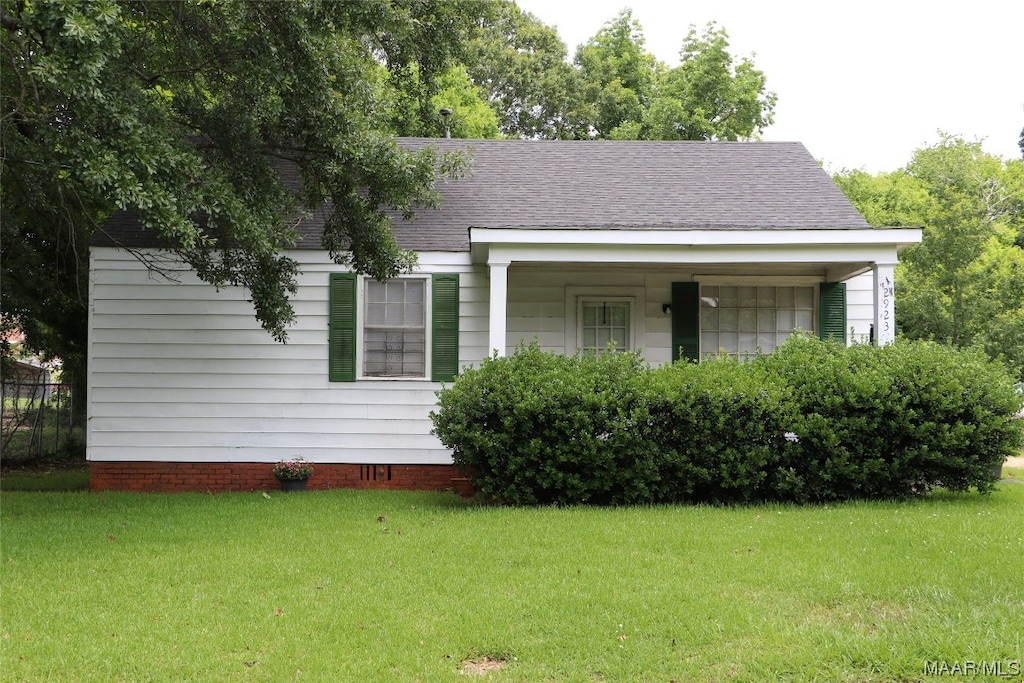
[(447, 114)]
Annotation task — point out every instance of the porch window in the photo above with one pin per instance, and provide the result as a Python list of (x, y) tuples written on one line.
[(603, 322), (741, 320)]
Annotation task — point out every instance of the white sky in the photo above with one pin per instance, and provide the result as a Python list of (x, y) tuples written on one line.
[(861, 84)]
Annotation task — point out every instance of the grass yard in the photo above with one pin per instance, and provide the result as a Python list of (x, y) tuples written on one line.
[(385, 586), (1014, 474)]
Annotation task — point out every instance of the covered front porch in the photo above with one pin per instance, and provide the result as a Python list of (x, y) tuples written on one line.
[(675, 294)]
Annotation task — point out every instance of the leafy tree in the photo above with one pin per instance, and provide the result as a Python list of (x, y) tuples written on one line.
[(179, 112), (469, 117), (520, 63), (709, 96), (618, 75), (614, 89), (894, 199), (963, 284), (998, 317)]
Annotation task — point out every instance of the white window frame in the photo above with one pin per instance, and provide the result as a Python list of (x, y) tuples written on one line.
[(575, 295), (361, 331)]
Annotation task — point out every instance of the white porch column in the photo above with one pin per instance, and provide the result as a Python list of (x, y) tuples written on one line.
[(498, 305), (885, 312)]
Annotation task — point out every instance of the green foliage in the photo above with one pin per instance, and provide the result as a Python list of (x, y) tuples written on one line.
[(520, 63), (709, 96), (715, 430), (618, 75), (892, 421), (962, 284), (615, 89), (471, 117), (888, 199), (870, 422), (180, 111), (539, 427)]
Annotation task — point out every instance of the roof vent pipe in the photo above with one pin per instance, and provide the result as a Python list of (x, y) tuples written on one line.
[(447, 114)]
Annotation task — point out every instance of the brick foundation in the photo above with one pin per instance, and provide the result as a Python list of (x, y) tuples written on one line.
[(166, 477)]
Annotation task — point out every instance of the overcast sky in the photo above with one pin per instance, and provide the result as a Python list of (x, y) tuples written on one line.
[(861, 84)]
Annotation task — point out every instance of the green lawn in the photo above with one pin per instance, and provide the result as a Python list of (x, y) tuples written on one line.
[(1014, 474), (385, 586)]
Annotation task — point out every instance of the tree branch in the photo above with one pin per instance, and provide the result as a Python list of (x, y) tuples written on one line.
[(10, 23)]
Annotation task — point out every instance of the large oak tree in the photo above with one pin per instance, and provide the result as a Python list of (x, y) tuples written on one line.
[(179, 112)]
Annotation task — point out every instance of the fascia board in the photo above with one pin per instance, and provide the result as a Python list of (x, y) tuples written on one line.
[(688, 254), (898, 237)]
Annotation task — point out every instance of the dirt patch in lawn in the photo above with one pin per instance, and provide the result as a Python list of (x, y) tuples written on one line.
[(481, 666)]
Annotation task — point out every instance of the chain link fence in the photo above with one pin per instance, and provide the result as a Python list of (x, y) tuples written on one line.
[(36, 422)]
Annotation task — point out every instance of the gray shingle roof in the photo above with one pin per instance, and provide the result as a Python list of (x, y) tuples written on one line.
[(618, 185)]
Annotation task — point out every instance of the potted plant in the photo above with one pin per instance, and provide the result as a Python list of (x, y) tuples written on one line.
[(293, 474)]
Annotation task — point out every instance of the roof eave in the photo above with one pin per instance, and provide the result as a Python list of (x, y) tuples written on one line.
[(898, 236)]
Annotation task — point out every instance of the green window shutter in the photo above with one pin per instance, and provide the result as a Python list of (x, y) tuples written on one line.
[(832, 311), (685, 320), (444, 351), (341, 354)]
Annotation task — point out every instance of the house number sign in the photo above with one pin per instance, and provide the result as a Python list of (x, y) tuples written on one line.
[(886, 311)]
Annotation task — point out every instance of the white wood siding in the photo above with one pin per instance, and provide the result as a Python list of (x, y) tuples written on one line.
[(182, 372), (860, 305), (537, 305)]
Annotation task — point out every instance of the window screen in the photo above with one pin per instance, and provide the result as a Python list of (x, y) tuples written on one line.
[(395, 339)]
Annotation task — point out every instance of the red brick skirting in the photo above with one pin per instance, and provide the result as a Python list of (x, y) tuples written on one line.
[(165, 477)]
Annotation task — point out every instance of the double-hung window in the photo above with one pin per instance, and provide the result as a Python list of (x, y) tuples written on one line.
[(599, 317), (402, 328), (395, 328)]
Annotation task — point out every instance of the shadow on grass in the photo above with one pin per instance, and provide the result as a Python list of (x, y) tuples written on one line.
[(52, 476)]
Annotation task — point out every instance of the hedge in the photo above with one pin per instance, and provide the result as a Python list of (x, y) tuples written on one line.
[(891, 421), (862, 422)]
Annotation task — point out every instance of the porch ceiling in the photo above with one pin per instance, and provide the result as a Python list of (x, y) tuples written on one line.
[(811, 272)]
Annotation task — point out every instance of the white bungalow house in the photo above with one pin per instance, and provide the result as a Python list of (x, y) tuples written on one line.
[(672, 248)]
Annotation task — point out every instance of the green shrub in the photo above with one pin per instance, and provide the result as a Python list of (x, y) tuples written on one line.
[(717, 428), (871, 422), (880, 422), (537, 427), (959, 408)]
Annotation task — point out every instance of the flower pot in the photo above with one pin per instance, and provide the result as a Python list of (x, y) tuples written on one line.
[(289, 485)]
